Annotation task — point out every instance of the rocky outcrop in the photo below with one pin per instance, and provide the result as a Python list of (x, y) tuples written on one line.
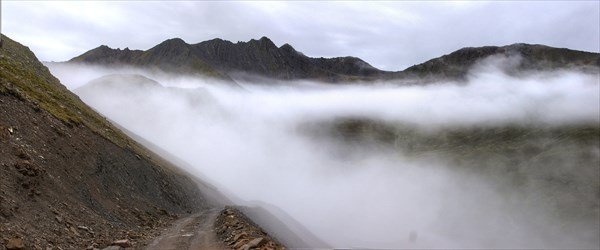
[(239, 232)]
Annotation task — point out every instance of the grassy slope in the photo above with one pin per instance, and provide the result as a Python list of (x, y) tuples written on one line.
[(23, 76)]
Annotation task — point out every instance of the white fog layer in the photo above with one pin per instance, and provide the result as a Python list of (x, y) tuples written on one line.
[(268, 144)]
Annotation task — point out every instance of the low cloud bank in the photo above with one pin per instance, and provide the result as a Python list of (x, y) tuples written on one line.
[(250, 142)]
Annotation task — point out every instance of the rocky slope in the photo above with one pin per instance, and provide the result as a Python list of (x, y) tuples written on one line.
[(262, 58), (68, 178)]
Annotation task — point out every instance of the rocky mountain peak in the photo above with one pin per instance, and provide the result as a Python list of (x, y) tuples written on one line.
[(174, 44), (263, 43), (288, 48)]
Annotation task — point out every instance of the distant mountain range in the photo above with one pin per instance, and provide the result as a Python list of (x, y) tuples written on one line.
[(262, 58)]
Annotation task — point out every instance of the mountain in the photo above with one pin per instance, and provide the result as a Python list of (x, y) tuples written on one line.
[(457, 64), (68, 178), (173, 55), (262, 58), (223, 59)]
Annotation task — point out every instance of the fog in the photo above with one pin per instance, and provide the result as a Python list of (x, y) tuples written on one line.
[(257, 143)]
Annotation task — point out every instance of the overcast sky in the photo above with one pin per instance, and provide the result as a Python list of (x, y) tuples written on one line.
[(388, 35)]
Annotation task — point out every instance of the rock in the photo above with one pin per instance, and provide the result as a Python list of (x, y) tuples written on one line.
[(59, 219), (254, 243), (112, 248), (240, 244), (74, 231), (84, 228), (14, 244), (237, 236), (122, 243)]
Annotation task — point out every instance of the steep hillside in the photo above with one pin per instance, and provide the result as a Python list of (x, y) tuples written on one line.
[(69, 179)]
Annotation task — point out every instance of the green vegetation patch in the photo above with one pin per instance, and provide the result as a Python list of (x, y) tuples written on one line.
[(23, 76)]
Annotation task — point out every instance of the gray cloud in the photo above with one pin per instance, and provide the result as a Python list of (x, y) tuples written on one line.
[(389, 35)]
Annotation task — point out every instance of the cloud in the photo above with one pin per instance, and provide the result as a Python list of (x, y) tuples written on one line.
[(253, 143), (389, 35)]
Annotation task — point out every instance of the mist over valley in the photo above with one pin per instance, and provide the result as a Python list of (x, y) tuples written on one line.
[(386, 164)]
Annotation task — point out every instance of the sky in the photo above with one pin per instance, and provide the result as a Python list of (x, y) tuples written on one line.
[(390, 35)]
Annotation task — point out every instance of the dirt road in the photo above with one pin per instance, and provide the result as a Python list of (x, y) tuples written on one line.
[(193, 232)]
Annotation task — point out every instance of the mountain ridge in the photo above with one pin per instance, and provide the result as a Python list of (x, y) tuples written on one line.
[(530, 57), (222, 58), (261, 57)]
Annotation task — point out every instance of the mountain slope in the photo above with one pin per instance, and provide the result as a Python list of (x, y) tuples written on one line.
[(172, 55), (263, 59), (457, 64), (68, 178)]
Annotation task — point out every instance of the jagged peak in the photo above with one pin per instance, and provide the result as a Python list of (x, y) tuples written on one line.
[(287, 47), (173, 41), (518, 45), (103, 47), (264, 41), (214, 41)]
